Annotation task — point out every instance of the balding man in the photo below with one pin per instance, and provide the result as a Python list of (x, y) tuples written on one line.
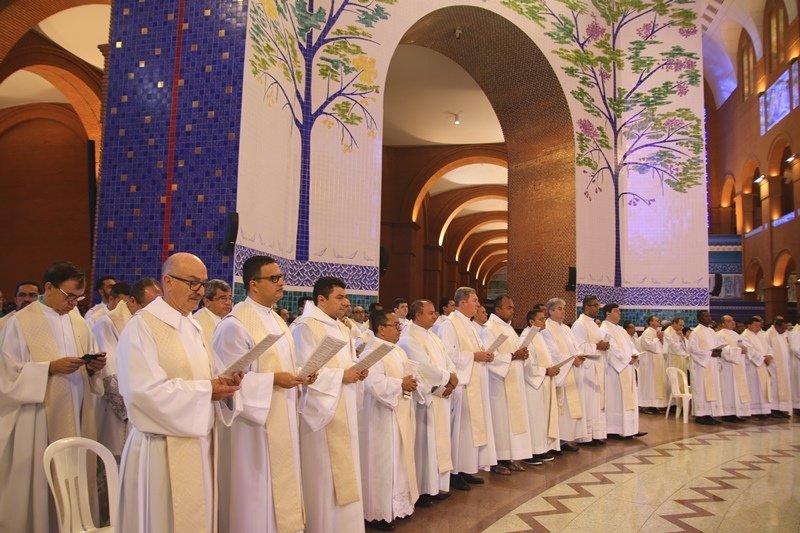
[(733, 379), (165, 376), (46, 394)]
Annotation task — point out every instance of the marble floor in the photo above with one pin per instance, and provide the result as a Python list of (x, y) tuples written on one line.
[(680, 477)]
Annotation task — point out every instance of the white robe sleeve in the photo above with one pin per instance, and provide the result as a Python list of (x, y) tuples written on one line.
[(434, 378), (501, 363), (462, 360), (699, 355), (157, 404), (320, 399), (386, 390), (617, 357), (21, 380)]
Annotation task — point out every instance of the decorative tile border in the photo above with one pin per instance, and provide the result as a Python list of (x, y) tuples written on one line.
[(692, 298)]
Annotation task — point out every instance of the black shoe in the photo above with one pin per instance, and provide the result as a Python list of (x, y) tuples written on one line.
[(457, 482), (715, 421), (567, 447), (424, 500), (741, 419), (761, 417), (780, 414), (615, 436), (731, 419), (534, 461), (441, 496), (555, 452), (543, 457), (473, 480), (598, 442), (640, 434), (380, 525), (705, 420)]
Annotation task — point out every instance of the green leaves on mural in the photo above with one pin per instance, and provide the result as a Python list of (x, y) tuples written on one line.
[(627, 82)]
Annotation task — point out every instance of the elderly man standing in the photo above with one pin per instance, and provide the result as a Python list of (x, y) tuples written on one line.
[(46, 394), (217, 302), (507, 390), (593, 341), (652, 374), (260, 483), (733, 379), (560, 344), (706, 391), (472, 437), (168, 482), (432, 443), (675, 350), (386, 430), (329, 445), (781, 371), (622, 401)]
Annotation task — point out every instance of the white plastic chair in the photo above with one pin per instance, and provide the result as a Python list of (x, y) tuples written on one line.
[(678, 390), (65, 460)]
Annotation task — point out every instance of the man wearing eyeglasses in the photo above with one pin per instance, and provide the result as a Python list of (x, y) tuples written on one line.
[(166, 376), (329, 441), (47, 394), (260, 485), (27, 292), (217, 303)]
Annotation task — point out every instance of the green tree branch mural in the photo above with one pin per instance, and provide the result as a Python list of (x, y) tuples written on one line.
[(296, 44), (627, 79)]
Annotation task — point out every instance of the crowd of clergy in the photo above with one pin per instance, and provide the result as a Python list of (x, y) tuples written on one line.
[(312, 430)]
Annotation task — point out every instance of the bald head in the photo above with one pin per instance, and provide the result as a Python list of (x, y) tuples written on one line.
[(728, 322), (184, 278)]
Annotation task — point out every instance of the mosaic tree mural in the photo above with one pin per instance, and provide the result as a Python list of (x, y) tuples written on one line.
[(628, 82), (297, 44)]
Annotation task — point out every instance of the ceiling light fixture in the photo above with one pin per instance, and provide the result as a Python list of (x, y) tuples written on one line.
[(791, 158), (456, 117), (458, 33), (759, 179)]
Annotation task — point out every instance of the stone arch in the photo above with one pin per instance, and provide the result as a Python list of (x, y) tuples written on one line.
[(728, 191), (494, 269), (460, 156), (488, 262), (753, 273), (746, 177), (477, 240), (484, 252), (784, 265), (446, 206), (775, 159), (462, 228)]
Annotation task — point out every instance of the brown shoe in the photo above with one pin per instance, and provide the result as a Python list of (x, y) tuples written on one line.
[(500, 469), (516, 466)]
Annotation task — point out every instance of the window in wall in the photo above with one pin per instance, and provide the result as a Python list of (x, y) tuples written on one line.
[(776, 26), (747, 61), (778, 101)]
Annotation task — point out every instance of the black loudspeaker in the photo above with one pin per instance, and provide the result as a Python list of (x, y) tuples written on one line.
[(717, 285), (572, 277), (383, 260), (229, 233)]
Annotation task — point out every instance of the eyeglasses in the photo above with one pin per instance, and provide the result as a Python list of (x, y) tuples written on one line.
[(27, 295), (274, 279), (225, 298), (396, 325), (71, 298), (192, 283)]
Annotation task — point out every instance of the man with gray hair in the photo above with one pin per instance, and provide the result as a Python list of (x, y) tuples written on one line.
[(472, 437), (557, 341), (217, 303)]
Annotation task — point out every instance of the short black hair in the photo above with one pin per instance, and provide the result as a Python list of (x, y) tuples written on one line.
[(444, 301), (628, 323), (252, 268), (374, 306), (701, 312), (416, 307), (137, 291), (324, 287), (608, 308), (58, 273), (21, 283), (379, 318), (398, 301), (499, 300), (589, 298), (120, 289), (779, 322), (99, 283), (650, 319), (752, 319)]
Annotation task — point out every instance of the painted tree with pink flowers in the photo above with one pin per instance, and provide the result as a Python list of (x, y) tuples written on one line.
[(627, 81)]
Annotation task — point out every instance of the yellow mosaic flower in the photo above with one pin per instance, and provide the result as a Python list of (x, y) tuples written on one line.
[(367, 67), (270, 8)]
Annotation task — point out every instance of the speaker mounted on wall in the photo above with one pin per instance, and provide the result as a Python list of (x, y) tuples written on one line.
[(229, 234), (572, 277)]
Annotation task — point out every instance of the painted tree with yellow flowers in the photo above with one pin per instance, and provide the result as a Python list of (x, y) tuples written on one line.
[(296, 44)]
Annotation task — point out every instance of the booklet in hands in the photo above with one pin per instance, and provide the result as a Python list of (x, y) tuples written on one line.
[(329, 347), (247, 359)]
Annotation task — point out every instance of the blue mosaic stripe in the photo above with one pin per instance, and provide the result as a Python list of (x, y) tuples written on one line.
[(303, 274), (646, 297)]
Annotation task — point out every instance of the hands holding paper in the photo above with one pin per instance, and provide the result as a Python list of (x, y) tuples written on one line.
[(579, 359), (287, 380), (225, 387), (351, 375), (520, 355), (483, 357)]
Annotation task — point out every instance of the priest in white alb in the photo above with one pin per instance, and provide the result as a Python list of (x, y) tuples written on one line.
[(472, 435), (329, 445), (438, 373), (594, 342), (387, 427), (757, 362), (509, 407), (167, 476), (675, 351), (706, 391), (46, 395), (217, 302), (622, 401), (780, 373), (794, 349), (540, 394), (259, 466), (733, 378), (560, 344), (652, 371)]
